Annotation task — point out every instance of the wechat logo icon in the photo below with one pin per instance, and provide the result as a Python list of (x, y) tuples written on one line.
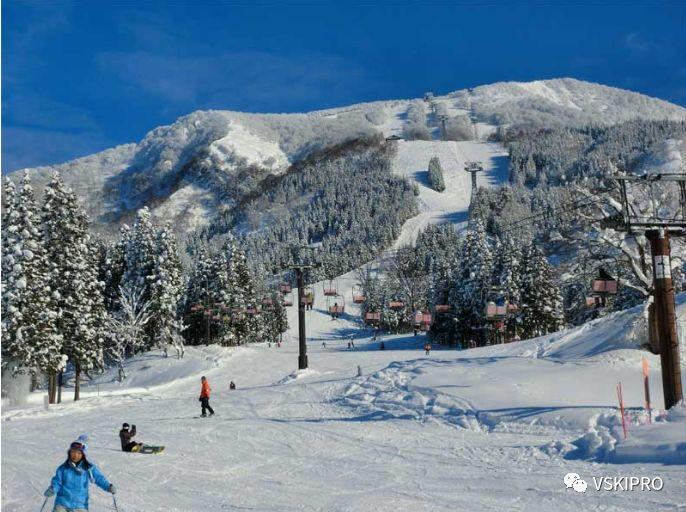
[(574, 481)]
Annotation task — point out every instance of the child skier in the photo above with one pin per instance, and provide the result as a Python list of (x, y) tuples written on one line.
[(70, 483), (126, 435), (205, 397), (427, 349)]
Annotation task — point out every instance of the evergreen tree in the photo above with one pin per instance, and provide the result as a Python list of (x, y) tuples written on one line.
[(139, 264), (472, 279), (73, 278), (29, 333), (166, 291), (436, 175), (542, 303)]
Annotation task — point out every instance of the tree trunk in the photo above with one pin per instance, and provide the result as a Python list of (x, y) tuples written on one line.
[(652, 330), (52, 381), (77, 380), (59, 387)]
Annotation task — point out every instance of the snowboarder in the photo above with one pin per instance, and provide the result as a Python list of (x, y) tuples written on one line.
[(232, 385), (205, 397), (70, 483), (427, 348), (126, 435)]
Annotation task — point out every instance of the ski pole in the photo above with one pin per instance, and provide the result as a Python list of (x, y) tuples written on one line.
[(115, 503), (44, 502)]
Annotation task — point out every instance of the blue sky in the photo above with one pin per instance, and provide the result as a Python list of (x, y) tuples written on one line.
[(79, 77)]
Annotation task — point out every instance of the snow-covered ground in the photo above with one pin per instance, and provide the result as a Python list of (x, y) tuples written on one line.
[(495, 428)]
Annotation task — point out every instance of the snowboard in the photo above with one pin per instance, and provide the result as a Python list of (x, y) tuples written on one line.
[(147, 449)]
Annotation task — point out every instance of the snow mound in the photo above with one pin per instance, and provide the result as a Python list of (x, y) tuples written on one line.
[(663, 441), (390, 394)]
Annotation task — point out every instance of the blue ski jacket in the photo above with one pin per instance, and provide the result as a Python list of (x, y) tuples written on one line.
[(70, 483)]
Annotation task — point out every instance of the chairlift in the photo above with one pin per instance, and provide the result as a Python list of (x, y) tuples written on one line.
[(267, 302), (330, 287), (285, 288), (252, 311), (604, 284), (442, 308), (197, 307), (358, 295), (335, 305), (396, 305), (288, 299), (308, 296), (372, 317)]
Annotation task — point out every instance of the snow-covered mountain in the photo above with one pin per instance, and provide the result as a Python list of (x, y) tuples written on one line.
[(205, 162)]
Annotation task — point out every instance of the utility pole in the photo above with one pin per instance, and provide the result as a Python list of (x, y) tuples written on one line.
[(657, 227), (666, 316)]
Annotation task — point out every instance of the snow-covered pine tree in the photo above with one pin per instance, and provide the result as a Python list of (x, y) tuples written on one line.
[(198, 296), (166, 290), (73, 278), (507, 275), (436, 181), (472, 279), (542, 305), (29, 335), (139, 262)]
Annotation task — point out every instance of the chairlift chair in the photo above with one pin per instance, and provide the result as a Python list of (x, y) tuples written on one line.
[(372, 317), (285, 288), (308, 296), (336, 304), (442, 308), (396, 305), (288, 299), (358, 295), (330, 287), (604, 284)]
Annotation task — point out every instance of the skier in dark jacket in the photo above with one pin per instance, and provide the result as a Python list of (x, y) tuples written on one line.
[(126, 435)]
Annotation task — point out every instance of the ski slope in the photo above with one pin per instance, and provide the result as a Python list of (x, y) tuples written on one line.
[(484, 429), (451, 205)]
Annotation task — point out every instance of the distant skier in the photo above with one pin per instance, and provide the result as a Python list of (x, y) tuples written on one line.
[(205, 397), (334, 311), (324, 344), (70, 483), (232, 385), (126, 435), (348, 345), (427, 348), (382, 346)]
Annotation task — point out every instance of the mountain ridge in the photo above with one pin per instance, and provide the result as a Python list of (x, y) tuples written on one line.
[(189, 170)]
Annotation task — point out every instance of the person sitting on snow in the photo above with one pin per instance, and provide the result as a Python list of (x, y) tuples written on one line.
[(126, 435), (70, 483)]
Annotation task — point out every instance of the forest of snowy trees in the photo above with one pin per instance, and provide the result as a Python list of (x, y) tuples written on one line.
[(71, 301), (347, 199), (454, 276)]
